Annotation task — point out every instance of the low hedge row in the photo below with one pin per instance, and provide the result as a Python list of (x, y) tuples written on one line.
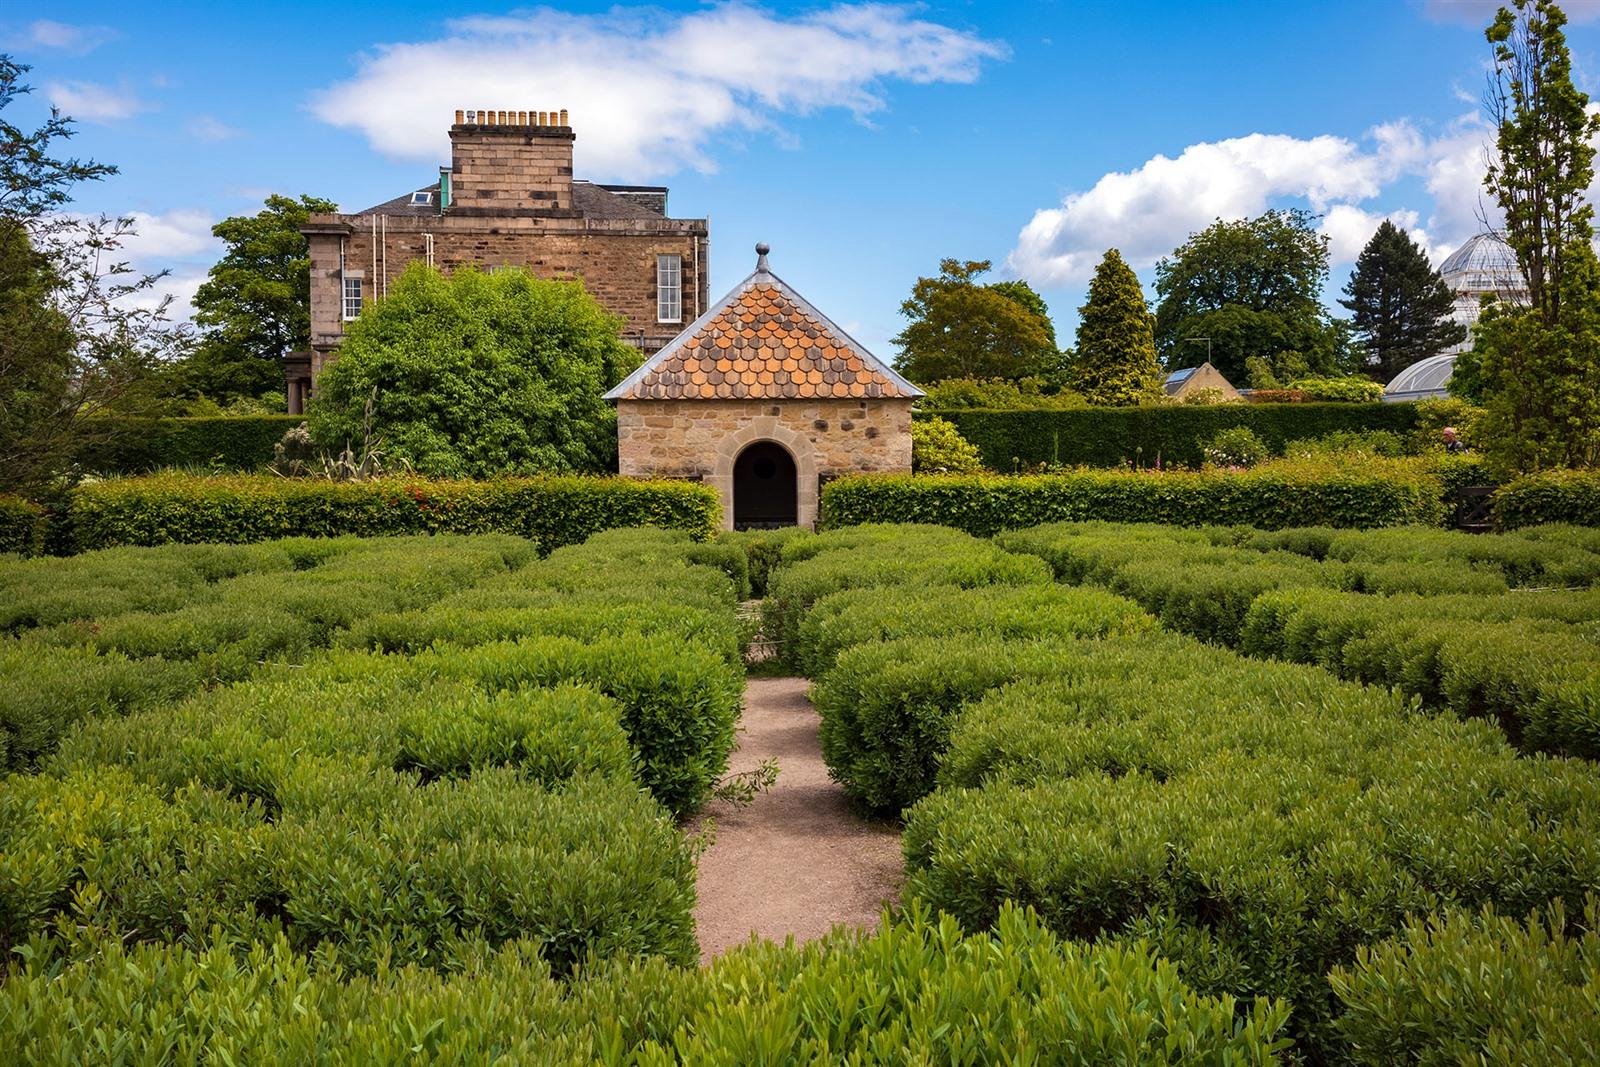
[(376, 809), (1569, 496), (1271, 496), (1171, 434), (1425, 611), (1256, 823), (133, 628), (553, 511), (857, 616), (366, 869), (918, 992), (877, 556), (137, 446), (22, 525), (1475, 988)]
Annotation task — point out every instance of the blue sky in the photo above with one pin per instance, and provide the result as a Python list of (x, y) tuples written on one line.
[(863, 141)]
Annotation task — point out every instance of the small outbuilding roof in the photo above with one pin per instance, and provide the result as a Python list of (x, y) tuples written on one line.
[(763, 341)]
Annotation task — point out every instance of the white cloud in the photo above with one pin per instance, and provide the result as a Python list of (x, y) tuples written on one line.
[(63, 37), (90, 102), (179, 285), (647, 91), (210, 129), (176, 234), (1481, 12), (1148, 211), (1349, 228)]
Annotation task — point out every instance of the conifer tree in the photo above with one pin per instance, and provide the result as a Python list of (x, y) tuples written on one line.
[(1399, 306), (1116, 357)]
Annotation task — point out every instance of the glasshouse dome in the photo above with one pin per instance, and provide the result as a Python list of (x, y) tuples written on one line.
[(1423, 380), (1484, 264)]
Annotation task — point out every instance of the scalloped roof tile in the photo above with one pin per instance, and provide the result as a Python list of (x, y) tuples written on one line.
[(763, 341)]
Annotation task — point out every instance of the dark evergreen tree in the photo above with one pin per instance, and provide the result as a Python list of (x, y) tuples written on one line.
[(1116, 357), (1399, 306)]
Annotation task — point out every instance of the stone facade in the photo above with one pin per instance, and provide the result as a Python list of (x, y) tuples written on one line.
[(764, 398), (701, 439), (509, 199)]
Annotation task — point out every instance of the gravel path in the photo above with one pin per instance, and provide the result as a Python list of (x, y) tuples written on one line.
[(796, 861)]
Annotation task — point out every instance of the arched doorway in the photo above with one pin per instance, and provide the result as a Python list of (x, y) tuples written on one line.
[(765, 488)]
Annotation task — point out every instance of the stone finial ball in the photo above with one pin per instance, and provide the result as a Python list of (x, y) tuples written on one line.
[(763, 248)]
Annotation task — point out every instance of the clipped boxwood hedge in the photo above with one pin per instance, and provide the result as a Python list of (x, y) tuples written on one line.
[(1270, 497), (554, 511), (1571, 496), (1475, 988), (136, 446), (22, 524), (918, 992), (1172, 433)]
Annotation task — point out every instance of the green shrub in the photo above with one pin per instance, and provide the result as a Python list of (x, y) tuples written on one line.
[(1348, 444), (553, 511), (937, 447), (1351, 389), (1237, 446), (367, 868), (1171, 434), (48, 691), (997, 393), (762, 549), (679, 702), (1465, 988), (854, 617), (919, 991), (881, 556), (1568, 496), (1255, 822), (887, 707), (1271, 496), (22, 526), (139, 446)]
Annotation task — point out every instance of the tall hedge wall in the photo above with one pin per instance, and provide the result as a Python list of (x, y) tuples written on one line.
[(554, 511), (1270, 498), (1174, 433), (136, 446)]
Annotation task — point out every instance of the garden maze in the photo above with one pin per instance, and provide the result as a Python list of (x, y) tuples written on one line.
[(1168, 795)]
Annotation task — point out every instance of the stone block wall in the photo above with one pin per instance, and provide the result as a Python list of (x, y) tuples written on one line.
[(700, 439), (511, 166)]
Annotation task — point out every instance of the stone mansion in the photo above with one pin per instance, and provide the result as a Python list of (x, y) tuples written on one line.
[(508, 198)]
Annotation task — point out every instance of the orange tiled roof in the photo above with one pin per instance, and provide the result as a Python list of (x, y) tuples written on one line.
[(763, 342)]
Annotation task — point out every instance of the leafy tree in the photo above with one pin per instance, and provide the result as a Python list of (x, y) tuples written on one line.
[(78, 334), (1400, 308), (255, 304), (1026, 295), (1116, 350), (962, 329), (1253, 287), (476, 374), (1538, 367)]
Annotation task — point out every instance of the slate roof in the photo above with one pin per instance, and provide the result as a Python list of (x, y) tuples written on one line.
[(595, 201), (763, 341)]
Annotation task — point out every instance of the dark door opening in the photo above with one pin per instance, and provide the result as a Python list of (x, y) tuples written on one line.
[(765, 488)]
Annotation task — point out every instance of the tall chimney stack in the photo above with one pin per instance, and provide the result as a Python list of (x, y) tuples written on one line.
[(511, 160)]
